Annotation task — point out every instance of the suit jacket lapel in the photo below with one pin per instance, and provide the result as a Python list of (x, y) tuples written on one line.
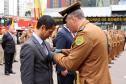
[(9, 35), (38, 46)]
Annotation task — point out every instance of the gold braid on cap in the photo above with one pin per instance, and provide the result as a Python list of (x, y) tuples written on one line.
[(65, 15)]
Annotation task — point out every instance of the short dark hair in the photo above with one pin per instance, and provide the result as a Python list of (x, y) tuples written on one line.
[(8, 22), (46, 20)]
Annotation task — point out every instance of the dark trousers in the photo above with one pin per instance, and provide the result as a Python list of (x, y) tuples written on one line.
[(8, 62), (69, 79)]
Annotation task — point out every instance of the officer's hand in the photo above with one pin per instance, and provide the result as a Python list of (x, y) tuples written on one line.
[(58, 51)]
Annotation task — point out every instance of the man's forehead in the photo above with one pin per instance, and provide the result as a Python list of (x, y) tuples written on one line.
[(68, 17), (52, 28)]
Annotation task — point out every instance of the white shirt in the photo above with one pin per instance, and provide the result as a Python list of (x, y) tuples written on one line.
[(41, 43), (38, 38), (69, 31)]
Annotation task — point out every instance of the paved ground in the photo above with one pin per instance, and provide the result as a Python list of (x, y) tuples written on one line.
[(117, 71), (12, 79)]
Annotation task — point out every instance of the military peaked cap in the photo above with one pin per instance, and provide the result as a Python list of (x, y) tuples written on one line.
[(69, 10)]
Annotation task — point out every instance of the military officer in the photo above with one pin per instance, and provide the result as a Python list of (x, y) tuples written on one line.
[(88, 53), (109, 44), (26, 34)]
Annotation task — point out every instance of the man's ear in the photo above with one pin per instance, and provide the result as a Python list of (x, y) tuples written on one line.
[(43, 27)]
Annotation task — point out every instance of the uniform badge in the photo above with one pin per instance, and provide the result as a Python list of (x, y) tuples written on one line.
[(79, 40)]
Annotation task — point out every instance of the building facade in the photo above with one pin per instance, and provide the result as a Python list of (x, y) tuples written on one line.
[(85, 3), (97, 3), (24, 8), (122, 2), (10, 7), (6, 7), (114, 2), (59, 3), (1, 7)]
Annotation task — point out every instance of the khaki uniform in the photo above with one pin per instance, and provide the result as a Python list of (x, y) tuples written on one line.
[(1, 51), (109, 45), (122, 35), (113, 45), (1, 55), (25, 36), (88, 55)]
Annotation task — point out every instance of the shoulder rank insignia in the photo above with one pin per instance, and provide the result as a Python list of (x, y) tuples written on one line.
[(79, 40)]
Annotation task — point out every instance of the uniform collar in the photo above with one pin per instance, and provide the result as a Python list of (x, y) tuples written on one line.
[(10, 33), (81, 28), (69, 31)]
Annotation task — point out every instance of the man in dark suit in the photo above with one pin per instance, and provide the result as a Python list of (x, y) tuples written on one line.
[(8, 45), (36, 67), (64, 40)]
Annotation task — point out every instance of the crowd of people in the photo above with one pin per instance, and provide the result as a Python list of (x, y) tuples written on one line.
[(80, 50), (116, 43)]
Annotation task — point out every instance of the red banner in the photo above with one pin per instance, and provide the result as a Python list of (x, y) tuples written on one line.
[(25, 23)]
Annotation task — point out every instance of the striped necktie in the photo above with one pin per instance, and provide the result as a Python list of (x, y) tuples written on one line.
[(44, 47)]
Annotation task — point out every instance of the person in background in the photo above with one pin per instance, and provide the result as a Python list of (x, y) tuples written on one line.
[(1, 54), (1, 49), (26, 34), (124, 39), (15, 39), (8, 45), (64, 40)]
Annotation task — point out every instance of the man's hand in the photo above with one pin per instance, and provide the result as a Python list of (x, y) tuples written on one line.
[(58, 51), (64, 73)]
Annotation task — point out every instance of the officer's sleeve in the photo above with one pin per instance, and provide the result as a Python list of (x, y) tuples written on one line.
[(77, 56), (66, 51), (27, 64)]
